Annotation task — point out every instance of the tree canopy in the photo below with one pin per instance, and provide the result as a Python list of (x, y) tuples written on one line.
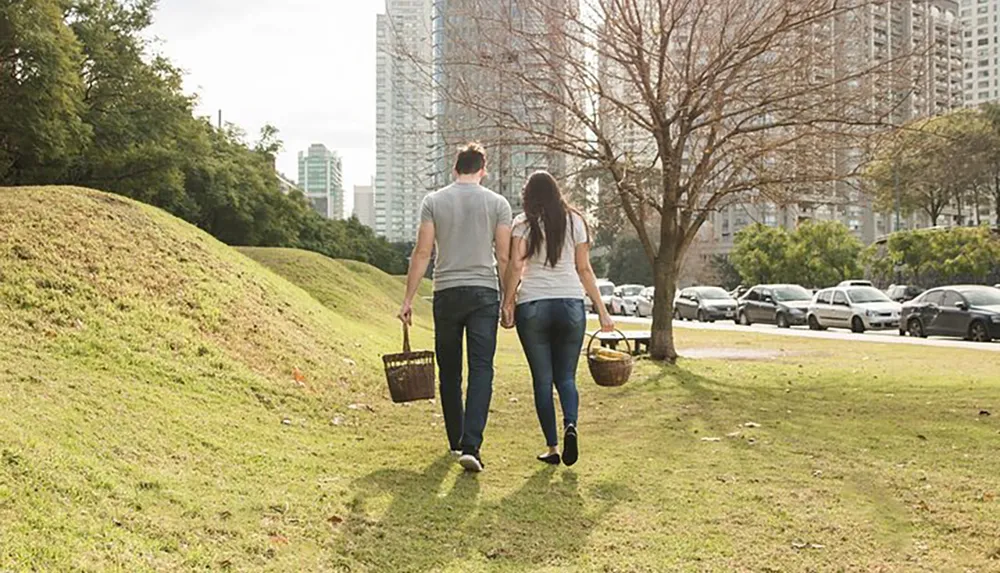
[(85, 101)]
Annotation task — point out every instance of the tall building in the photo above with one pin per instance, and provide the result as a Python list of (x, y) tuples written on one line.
[(463, 31), (364, 205), (321, 179), (981, 37), (404, 124)]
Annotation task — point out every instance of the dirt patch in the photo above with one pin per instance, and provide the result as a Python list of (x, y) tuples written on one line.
[(747, 354)]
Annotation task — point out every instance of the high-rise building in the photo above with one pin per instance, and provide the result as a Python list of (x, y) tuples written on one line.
[(364, 204), (464, 32), (404, 124), (321, 179), (981, 40)]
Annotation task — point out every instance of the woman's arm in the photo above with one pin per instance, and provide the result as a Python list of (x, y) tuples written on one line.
[(589, 280), (515, 269)]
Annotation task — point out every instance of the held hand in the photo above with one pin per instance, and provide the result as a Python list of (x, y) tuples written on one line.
[(406, 313), (507, 317), (607, 324)]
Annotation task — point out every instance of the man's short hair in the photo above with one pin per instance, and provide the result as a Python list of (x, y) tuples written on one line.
[(471, 159)]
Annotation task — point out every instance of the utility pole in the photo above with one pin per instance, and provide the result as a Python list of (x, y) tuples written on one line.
[(895, 188), (220, 120)]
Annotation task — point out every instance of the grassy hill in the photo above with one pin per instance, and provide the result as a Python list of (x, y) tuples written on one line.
[(150, 421), (147, 386)]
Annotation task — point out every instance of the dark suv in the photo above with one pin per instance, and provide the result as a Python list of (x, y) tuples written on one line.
[(784, 305), (903, 293), (970, 312)]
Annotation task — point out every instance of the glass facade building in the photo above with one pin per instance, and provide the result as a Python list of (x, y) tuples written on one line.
[(321, 179)]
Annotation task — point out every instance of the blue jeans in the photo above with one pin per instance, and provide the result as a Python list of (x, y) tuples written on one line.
[(475, 313), (551, 333)]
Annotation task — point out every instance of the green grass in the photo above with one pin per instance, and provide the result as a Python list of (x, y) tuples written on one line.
[(146, 370)]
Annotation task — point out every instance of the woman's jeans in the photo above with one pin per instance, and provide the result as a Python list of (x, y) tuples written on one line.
[(551, 333)]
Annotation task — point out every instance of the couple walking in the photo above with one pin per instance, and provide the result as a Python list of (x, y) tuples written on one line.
[(542, 259)]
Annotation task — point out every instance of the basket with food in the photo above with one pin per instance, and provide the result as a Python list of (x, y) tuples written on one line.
[(609, 367)]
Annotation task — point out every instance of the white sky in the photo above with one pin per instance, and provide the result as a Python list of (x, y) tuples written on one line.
[(305, 66)]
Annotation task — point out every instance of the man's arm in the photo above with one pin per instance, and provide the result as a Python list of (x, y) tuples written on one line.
[(419, 260), (502, 246)]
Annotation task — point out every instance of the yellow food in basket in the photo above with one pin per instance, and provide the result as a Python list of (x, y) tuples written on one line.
[(608, 355)]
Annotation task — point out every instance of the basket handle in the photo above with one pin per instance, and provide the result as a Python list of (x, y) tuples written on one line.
[(593, 337), (406, 338)]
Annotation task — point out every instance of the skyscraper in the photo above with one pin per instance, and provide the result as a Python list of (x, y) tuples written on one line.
[(981, 38), (364, 205), (469, 30), (321, 179), (404, 123)]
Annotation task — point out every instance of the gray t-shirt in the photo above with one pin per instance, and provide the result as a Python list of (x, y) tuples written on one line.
[(465, 217), (541, 281)]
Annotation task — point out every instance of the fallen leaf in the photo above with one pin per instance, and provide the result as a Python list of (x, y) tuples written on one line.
[(734, 434), (337, 420), (278, 539), (984, 412), (350, 362), (335, 520), (514, 400), (922, 437), (286, 422), (711, 439), (751, 425)]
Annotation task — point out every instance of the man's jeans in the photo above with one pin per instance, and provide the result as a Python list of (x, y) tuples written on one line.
[(475, 312), (551, 333)]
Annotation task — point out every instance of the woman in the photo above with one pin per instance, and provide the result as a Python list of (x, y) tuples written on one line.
[(550, 257)]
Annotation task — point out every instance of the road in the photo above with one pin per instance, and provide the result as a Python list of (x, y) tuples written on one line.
[(886, 337)]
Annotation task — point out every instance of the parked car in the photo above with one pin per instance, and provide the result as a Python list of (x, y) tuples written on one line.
[(857, 308), (784, 305), (856, 283), (644, 306), (970, 312), (706, 304), (738, 292), (625, 299), (903, 293), (607, 289)]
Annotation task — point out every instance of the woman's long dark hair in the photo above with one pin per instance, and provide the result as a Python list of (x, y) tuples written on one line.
[(545, 208)]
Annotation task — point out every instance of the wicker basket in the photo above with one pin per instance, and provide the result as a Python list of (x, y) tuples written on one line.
[(610, 374), (410, 374)]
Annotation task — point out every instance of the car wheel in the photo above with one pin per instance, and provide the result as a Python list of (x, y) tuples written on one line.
[(743, 319), (916, 329), (701, 316), (782, 321), (979, 333), (857, 325), (814, 323)]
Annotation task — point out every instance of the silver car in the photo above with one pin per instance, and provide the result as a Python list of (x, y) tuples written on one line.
[(858, 308), (644, 306)]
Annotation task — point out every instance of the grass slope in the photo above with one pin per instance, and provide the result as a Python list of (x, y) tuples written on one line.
[(145, 375)]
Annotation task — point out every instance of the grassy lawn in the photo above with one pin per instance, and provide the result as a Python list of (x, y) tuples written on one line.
[(150, 421)]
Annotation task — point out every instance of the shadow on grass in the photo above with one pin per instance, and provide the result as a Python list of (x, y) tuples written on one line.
[(544, 522)]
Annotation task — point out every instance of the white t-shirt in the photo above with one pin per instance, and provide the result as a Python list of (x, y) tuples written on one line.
[(541, 281)]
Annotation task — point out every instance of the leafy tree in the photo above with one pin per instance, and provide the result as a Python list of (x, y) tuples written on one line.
[(729, 275), (931, 257), (760, 254), (823, 253), (627, 263), (41, 92)]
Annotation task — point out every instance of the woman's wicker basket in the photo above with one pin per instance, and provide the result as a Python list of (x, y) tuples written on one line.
[(610, 373), (410, 374)]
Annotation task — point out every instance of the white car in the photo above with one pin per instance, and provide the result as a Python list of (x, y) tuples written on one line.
[(626, 299), (858, 308), (644, 307), (607, 290)]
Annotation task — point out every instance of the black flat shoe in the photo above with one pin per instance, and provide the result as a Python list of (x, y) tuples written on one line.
[(571, 447), (551, 459)]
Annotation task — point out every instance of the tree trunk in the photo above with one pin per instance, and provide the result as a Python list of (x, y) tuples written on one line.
[(662, 344)]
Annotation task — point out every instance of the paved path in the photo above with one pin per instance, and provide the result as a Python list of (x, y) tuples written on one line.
[(887, 337)]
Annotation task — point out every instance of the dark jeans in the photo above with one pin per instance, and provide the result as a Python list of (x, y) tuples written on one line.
[(551, 333), (474, 312)]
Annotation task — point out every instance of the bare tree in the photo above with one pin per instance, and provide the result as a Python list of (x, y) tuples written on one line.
[(722, 100)]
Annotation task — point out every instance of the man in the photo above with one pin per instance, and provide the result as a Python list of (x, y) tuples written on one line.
[(471, 227)]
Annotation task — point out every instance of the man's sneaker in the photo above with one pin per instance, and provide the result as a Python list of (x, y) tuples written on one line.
[(471, 463), (571, 447), (456, 453)]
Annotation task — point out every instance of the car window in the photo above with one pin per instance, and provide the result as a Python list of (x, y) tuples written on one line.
[(862, 295), (933, 297), (839, 297), (712, 293), (983, 297), (951, 298), (791, 293), (606, 290), (631, 290), (765, 294), (824, 297), (753, 295)]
